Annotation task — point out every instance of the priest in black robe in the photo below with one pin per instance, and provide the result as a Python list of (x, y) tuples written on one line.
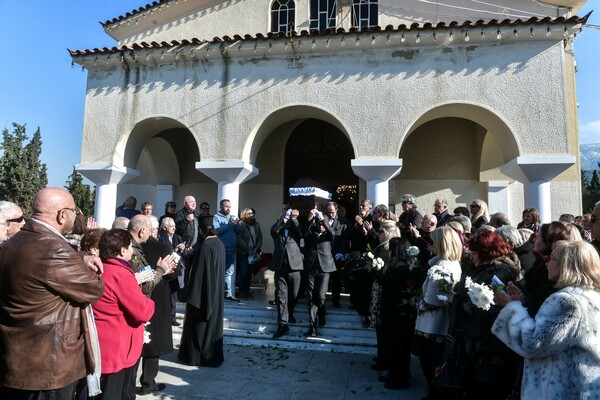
[(202, 337)]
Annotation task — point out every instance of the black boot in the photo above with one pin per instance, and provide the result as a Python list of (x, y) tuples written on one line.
[(311, 332)]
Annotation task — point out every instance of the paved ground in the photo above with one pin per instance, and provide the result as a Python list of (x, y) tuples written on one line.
[(251, 372)]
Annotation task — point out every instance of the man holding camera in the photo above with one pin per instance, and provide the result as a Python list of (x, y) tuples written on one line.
[(186, 222), (287, 264), (319, 264)]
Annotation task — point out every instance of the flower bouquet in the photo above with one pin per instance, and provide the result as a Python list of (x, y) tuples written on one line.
[(482, 296), (374, 263), (443, 281)]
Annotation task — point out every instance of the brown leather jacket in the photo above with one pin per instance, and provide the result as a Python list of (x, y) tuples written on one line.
[(44, 285)]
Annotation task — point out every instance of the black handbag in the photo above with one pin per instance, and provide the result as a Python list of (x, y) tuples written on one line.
[(449, 377)]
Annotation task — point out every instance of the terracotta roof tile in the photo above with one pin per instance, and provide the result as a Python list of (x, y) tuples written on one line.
[(133, 12), (340, 31)]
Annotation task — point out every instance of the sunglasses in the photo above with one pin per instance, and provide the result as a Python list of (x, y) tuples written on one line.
[(17, 220)]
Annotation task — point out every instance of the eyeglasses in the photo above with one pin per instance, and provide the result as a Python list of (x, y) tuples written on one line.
[(594, 218), (76, 210), (430, 223), (205, 208), (17, 220), (473, 206)]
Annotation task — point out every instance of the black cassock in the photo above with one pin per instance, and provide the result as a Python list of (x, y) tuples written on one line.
[(202, 337)]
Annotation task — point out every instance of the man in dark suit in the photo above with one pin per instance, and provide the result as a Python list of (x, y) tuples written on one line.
[(287, 264), (338, 249), (319, 263)]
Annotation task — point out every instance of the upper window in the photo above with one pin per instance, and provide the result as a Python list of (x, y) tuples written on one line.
[(283, 13), (322, 14), (364, 14)]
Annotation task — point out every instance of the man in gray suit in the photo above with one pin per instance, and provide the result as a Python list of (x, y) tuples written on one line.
[(287, 264), (319, 263)]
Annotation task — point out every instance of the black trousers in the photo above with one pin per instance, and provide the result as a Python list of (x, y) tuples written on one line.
[(120, 385), (149, 371), (396, 334), (316, 289), (64, 393), (287, 285)]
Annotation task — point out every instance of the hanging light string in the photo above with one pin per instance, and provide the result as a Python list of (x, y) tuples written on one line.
[(513, 9), (475, 11)]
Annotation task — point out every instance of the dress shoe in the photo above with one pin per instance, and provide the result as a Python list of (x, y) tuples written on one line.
[(281, 330), (146, 390), (175, 323), (232, 298), (311, 332), (272, 303), (380, 367), (292, 320), (395, 385), (322, 321)]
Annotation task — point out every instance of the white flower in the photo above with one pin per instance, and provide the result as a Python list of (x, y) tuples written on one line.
[(378, 263), (468, 282), (481, 295), (146, 333), (370, 255), (413, 251), (442, 297)]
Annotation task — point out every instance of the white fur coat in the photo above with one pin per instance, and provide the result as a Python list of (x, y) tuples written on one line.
[(561, 345)]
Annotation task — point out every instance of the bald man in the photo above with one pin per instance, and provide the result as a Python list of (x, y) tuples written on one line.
[(44, 288), (140, 228)]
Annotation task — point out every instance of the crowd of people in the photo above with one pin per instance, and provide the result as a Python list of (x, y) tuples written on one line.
[(490, 309)]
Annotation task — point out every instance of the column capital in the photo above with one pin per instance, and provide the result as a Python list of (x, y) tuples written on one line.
[(380, 169), (537, 168), (102, 174), (227, 171)]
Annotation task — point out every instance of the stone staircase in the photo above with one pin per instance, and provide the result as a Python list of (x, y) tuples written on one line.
[(253, 322)]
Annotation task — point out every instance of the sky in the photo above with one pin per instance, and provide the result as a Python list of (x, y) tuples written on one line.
[(40, 88)]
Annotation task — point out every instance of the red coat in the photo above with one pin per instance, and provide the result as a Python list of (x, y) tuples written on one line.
[(120, 316)]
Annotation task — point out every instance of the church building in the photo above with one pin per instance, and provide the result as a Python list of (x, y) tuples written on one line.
[(240, 99)]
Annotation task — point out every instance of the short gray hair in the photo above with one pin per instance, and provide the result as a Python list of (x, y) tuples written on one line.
[(153, 221), (464, 221), (6, 207), (510, 234), (166, 221)]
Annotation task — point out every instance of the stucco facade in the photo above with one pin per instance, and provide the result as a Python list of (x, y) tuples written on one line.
[(491, 117)]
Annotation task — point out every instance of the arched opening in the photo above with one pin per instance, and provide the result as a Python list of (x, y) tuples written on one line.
[(456, 151), (321, 152), (163, 151)]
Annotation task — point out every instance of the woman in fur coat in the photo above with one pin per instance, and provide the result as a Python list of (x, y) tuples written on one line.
[(561, 344)]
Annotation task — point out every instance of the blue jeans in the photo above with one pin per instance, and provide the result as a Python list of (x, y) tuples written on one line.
[(230, 274)]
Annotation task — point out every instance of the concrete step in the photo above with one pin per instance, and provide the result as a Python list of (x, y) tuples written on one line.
[(253, 322)]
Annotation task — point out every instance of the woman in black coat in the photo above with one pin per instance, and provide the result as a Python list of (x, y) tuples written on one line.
[(399, 284)]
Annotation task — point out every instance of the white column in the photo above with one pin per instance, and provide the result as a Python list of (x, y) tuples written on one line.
[(538, 192), (377, 172), (498, 197), (229, 175), (106, 177), (536, 172)]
